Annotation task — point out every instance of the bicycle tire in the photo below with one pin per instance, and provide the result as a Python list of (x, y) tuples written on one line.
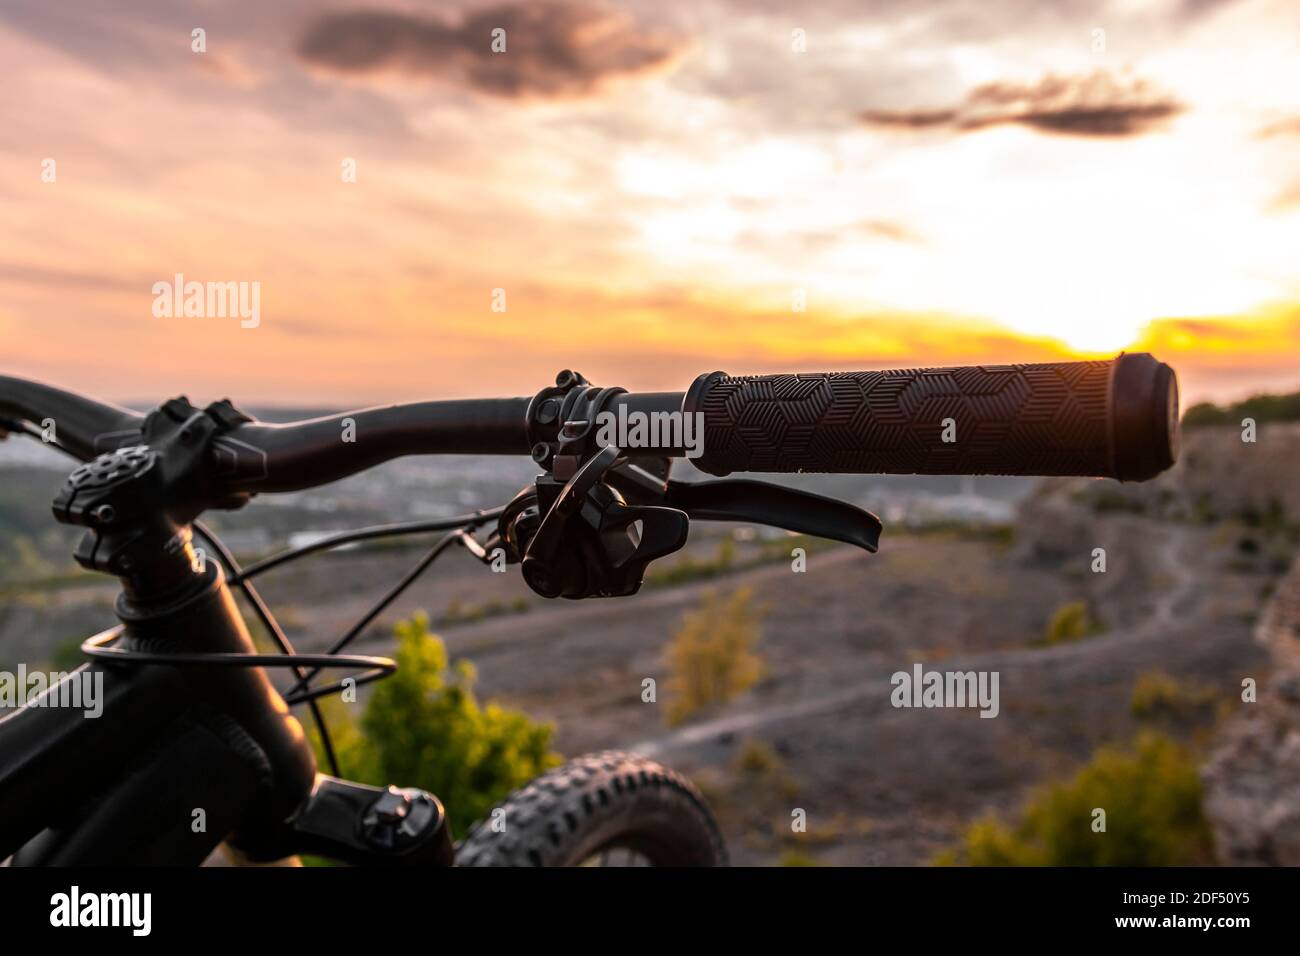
[(594, 803)]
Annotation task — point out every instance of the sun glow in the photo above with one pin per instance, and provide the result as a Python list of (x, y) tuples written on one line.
[(1083, 244)]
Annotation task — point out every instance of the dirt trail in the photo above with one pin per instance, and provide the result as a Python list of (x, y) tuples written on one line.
[(1178, 603)]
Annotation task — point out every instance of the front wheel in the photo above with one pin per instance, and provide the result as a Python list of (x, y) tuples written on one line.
[(610, 808)]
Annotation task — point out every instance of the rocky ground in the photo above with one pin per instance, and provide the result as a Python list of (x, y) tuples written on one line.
[(1253, 777), (818, 733)]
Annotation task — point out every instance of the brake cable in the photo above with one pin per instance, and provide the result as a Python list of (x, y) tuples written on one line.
[(373, 668), (299, 689), (250, 593), (260, 608)]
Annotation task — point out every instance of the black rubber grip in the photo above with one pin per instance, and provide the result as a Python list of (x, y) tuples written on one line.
[(1116, 418)]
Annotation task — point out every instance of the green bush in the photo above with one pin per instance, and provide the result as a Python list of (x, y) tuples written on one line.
[(1157, 695), (797, 858), (711, 657), (1108, 499), (350, 745), (687, 568), (424, 727), (459, 613), (1152, 797), (1071, 622), (756, 757), (1262, 408)]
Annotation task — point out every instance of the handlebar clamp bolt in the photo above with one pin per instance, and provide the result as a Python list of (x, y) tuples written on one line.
[(548, 412), (104, 514)]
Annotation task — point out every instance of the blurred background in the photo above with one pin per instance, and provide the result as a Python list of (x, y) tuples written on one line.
[(645, 191)]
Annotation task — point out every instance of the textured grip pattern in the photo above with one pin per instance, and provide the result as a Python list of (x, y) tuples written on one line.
[(1049, 419)]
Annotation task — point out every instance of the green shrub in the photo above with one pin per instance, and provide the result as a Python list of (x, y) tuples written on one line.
[(756, 757), (687, 568), (1071, 622), (759, 769), (797, 858), (1151, 794), (711, 657), (350, 745), (424, 727), (1157, 695), (1262, 408), (1108, 499), (459, 613)]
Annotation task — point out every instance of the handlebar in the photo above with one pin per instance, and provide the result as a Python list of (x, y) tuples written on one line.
[(83, 425), (1115, 418), (262, 457)]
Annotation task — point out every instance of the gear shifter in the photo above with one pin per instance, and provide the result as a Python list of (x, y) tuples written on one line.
[(591, 543)]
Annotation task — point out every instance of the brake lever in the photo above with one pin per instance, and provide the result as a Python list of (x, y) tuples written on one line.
[(589, 543), (760, 502)]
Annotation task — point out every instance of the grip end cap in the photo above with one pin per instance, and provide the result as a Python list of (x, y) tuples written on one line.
[(1145, 427)]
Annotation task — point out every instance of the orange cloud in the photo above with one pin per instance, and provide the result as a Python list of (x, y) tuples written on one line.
[(1265, 335)]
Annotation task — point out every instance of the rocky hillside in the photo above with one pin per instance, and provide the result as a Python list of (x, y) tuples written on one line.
[(1218, 476), (1253, 778), (1219, 480)]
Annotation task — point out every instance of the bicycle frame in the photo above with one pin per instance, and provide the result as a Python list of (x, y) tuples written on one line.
[(52, 760), (184, 754)]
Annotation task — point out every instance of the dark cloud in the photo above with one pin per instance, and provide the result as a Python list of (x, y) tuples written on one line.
[(910, 119), (554, 49), (1096, 104)]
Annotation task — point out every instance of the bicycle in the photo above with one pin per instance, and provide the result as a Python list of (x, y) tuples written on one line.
[(192, 719)]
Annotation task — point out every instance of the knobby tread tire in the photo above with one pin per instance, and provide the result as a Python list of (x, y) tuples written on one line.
[(593, 802)]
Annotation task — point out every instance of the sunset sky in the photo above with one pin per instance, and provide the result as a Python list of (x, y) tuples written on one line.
[(652, 184)]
